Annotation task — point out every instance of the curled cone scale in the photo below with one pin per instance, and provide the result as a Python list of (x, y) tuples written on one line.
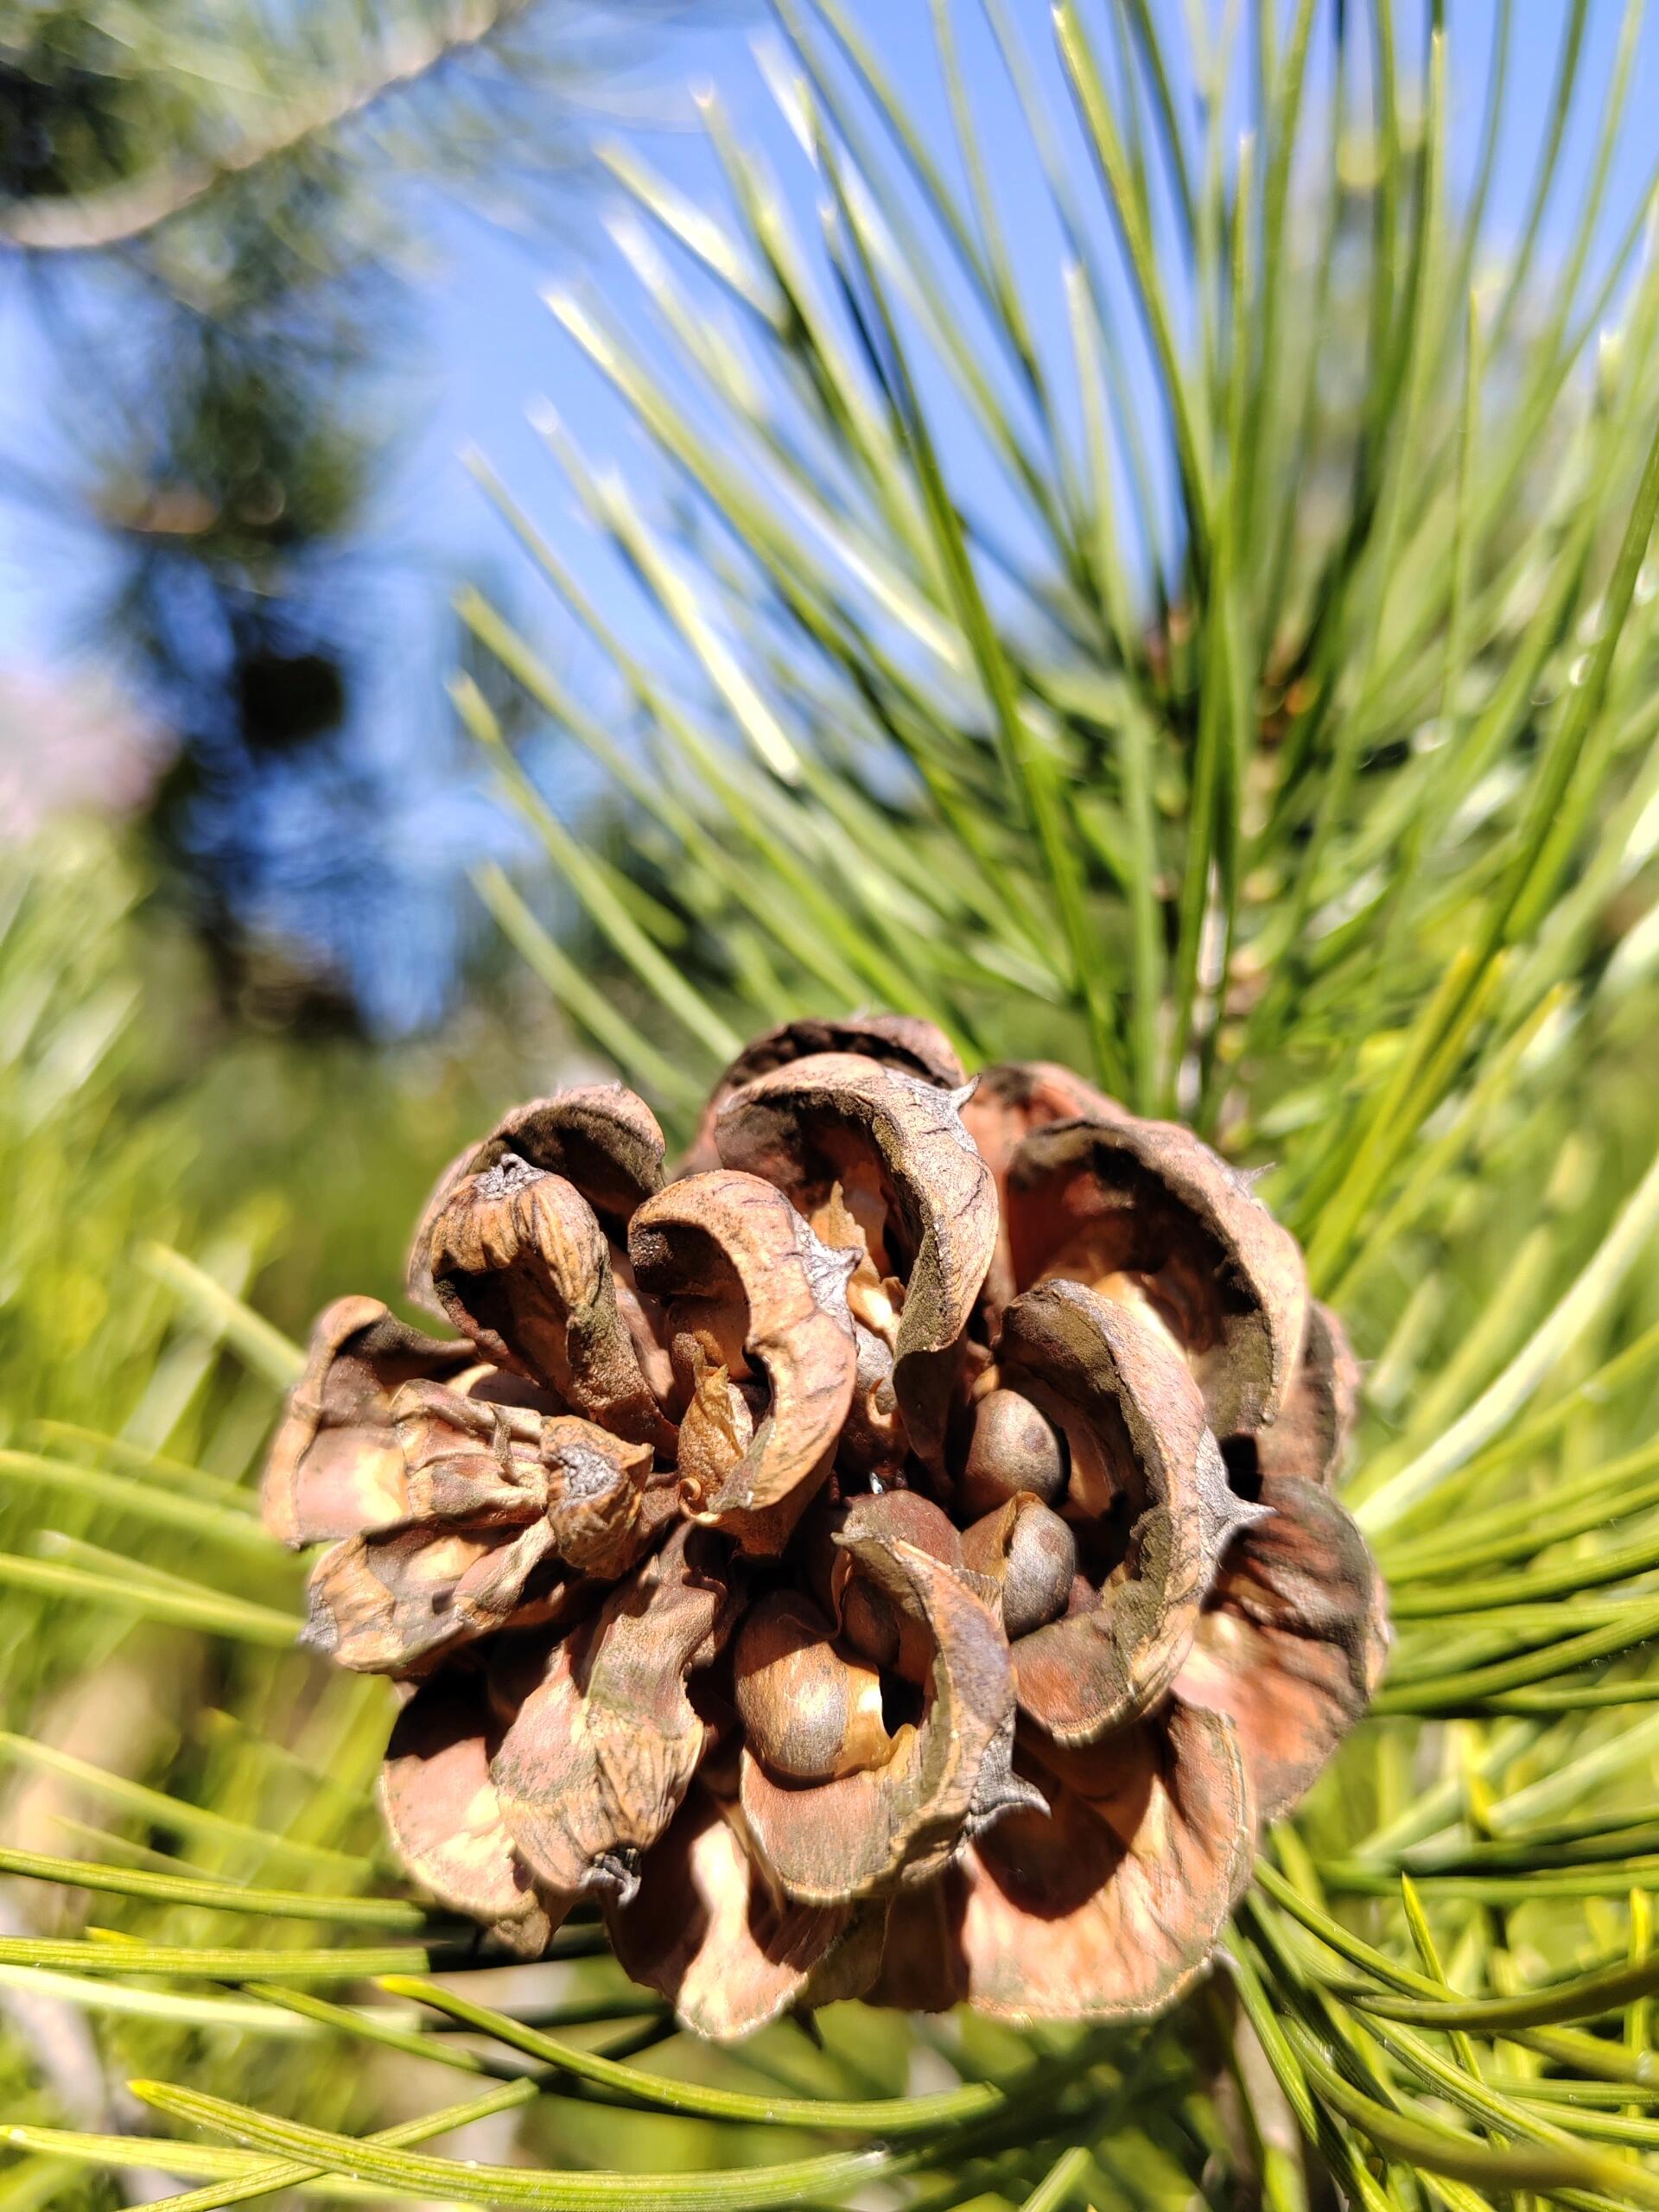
[(894, 1556)]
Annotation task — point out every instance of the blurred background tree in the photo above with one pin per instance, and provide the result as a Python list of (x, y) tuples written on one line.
[(209, 216)]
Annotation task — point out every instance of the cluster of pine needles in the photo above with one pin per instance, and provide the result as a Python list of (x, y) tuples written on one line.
[(1211, 640)]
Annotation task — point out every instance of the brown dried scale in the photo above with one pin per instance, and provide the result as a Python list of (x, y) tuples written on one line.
[(1292, 1639), (334, 1466), (1314, 1429), (1146, 1478), (600, 1137), (598, 1757), (845, 1137), (770, 1297), (1104, 1904), (707, 1929), (1009, 1101), (445, 1818), (898, 1558), (492, 1494), (1146, 1213), (944, 1776), (895, 1040), (521, 1263)]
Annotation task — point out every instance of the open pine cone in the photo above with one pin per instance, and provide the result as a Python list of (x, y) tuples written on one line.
[(896, 1558)]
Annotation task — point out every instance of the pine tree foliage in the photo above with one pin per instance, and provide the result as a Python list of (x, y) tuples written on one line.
[(1240, 680)]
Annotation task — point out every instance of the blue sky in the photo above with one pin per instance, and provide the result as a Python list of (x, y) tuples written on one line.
[(486, 350)]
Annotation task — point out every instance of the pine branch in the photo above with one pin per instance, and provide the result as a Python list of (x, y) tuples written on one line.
[(119, 215)]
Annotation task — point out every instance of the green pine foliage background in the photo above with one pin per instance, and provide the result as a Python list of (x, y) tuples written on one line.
[(1291, 766)]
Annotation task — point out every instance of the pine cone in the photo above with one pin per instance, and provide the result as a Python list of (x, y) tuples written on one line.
[(896, 1558)]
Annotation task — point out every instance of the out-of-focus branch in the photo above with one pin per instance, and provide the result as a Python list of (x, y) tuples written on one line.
[(117, 214)]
